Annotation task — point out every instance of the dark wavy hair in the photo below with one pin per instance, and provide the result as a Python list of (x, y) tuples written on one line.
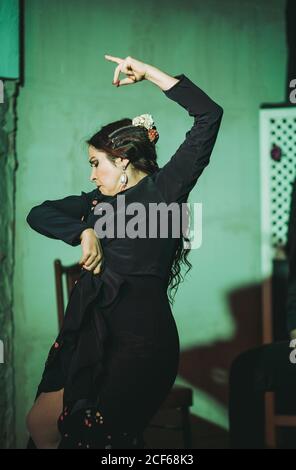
[(135, 145)]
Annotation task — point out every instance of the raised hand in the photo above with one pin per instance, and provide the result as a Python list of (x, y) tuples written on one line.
[(134, 69)]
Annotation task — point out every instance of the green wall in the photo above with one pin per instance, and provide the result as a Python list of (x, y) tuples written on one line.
[(235, 51), (9, 38)]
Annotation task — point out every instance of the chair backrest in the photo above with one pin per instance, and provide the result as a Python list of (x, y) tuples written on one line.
[(71, 274)]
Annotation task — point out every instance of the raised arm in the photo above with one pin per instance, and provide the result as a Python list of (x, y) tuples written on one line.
[(177, 177), (63, 219)]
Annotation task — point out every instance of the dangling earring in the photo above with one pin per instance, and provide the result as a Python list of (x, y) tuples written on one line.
[(123, 177)]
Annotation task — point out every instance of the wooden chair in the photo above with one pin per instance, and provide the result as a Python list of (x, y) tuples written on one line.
[(71, 274), (180, 398), (272, 419)]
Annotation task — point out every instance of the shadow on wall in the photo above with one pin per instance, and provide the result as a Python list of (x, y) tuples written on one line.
[(207, 368)]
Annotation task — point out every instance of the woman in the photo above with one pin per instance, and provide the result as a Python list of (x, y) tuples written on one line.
[(116, 356)]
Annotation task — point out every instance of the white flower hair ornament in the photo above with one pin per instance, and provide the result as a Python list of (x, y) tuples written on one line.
[(146, 120)]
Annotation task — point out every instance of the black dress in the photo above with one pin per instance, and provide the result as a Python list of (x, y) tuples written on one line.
[(117, 353)]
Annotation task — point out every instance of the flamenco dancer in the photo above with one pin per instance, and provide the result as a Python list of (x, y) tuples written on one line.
[(116, 356)]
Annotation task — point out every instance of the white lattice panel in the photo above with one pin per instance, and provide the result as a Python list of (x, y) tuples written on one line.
[(278, 171)]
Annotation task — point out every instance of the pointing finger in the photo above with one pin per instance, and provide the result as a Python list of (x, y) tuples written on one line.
[(113, 59)]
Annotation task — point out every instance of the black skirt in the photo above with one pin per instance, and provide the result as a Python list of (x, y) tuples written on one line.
[(116, 358)]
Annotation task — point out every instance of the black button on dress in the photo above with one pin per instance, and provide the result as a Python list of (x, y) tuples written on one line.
[(117, 353)]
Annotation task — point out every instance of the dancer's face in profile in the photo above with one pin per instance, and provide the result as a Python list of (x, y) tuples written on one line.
[(105, 175)]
